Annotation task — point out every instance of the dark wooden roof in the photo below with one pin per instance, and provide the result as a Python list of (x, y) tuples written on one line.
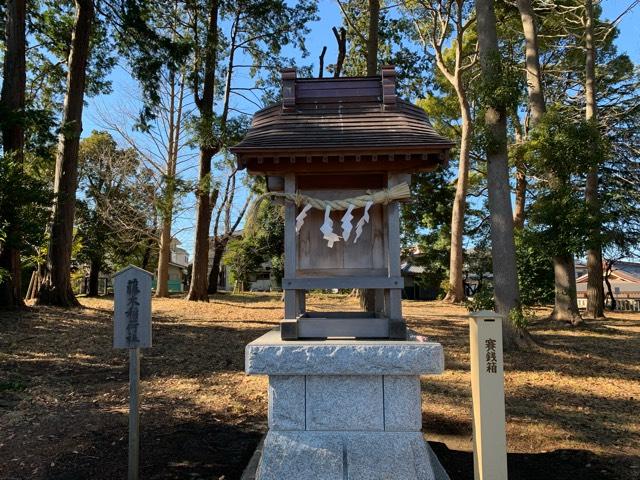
[(355, 122)]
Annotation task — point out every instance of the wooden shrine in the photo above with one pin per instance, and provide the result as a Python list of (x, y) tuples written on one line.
[(335, 139)]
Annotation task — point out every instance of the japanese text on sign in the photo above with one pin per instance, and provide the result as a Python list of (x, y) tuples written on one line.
[(132, 312), (492, 362)]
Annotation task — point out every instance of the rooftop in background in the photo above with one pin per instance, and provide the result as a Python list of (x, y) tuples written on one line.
[(354, 123)]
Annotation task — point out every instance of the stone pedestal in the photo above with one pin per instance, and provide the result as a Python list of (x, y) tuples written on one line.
[(345, 409)]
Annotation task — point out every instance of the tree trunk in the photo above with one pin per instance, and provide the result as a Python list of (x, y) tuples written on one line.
[(519, 212), (164, 257), (536, 99), (367, 300), (12, 99), (372, 38), (563, 265), (521, 197), (532, 61), (205, 199), (56, 286), (175, 124), (94, 277), (214, 273), (505, 276), (148, 251), (456, 259), (199, 273), (341, 39), (595, 288), (609, 289), (566, 304)]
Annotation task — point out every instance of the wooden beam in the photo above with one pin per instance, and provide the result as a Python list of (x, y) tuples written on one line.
[(325, 283), (343, 327)]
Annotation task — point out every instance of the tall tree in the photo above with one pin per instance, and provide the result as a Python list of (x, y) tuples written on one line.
[(566, 304), (433, 21), (595, 287), (56, 286), (214, 31), (174, 127), (12, 104), (502, 239), (205, 195), (109, 180)]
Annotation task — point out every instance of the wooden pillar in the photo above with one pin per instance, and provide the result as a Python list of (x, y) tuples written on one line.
[(292, 300), (393, 296)]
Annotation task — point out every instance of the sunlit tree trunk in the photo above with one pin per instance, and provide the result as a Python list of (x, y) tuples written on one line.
[(205, 195), (372, 37), (174, 130), (566, 303), (56, 286), (456, 260), (12, 100), (563, 265), (595, 287), (505, 276)]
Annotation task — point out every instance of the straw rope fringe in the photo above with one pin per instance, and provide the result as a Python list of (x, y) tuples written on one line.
[(388, 195)]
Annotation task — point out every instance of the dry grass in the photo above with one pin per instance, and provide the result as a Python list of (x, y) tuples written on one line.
[(572, 406)]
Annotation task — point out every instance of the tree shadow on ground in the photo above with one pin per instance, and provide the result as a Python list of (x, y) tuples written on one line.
[(555, 465), (200, 448)]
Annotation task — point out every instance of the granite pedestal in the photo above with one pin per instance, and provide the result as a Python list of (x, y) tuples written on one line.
[(345, 409)]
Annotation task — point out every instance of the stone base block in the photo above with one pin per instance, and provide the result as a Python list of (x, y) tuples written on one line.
[(345, 409), (348, 456)]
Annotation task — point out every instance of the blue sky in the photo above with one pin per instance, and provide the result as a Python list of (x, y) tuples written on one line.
[(124, 87)]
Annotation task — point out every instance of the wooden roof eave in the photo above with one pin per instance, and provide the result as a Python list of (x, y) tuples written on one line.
[(244, 154), (360, 149)]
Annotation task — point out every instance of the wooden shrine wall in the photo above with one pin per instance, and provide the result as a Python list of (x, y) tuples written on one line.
[(367, 257)]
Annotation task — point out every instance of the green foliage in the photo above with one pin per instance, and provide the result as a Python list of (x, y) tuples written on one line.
[(535, 270), (243, 258), (158, 35), (118, 207), (24, 201), (502, 90), (482, 300), (51, 26), (395, 47), (262, 241), (13, 385), (425, 224), (559, 153), (521, 318)]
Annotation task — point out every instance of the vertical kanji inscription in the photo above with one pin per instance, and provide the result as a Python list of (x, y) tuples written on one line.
[(492, 362), (132, 312)]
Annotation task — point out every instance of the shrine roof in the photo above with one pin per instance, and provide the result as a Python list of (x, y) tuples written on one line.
[(349, 119)]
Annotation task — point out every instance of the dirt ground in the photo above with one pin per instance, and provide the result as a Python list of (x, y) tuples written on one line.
[(573, 407)]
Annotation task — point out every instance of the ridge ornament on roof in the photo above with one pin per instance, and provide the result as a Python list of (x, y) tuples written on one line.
[(357, 122)]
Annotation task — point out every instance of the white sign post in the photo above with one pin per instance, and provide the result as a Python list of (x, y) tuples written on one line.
[(132, 330), (487, 388)]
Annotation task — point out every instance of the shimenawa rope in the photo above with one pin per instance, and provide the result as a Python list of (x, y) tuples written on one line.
[(388, 195)]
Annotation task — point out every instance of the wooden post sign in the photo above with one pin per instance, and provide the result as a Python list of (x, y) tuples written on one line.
[(132, 330), (487, 388)]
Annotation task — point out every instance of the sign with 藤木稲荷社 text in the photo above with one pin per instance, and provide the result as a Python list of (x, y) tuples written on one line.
[(132, 308)]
